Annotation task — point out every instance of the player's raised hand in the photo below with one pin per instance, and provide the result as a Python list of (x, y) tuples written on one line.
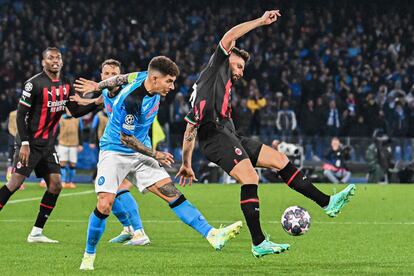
[(164, 158), (186, 174), (85, 86), (270, 16)]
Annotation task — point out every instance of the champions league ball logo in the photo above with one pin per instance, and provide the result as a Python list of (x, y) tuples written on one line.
[(129, 120)]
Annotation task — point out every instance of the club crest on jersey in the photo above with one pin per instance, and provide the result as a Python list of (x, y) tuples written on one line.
[(19, 165), (237, 151), (28, 87)]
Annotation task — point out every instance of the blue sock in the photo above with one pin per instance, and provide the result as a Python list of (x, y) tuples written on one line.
[(119, 211), (71, 174), (190, 215), (63, 171), (131, 207), (96, 227)]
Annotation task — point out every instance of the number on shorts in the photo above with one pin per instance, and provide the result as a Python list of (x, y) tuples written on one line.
[(56, 157)]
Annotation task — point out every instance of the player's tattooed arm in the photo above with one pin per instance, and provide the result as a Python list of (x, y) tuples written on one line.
[(190, 135), (186, 173), (132, 142), (113, 82), (164, 158)]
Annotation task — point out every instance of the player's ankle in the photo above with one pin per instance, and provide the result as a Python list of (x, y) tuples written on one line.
[(36, 231)]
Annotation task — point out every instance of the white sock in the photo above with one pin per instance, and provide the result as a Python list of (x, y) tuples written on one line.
[(36, 231), (128, 229), (140, 231), (210, 232)]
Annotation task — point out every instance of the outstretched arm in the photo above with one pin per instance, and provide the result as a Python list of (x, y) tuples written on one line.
[(186, 172), (87, 86), (85, 101), (229, 39)]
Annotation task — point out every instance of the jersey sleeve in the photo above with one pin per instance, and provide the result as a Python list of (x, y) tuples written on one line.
[(190, 118), (220, 56), (24, 108), (130, 110), (132, 76)]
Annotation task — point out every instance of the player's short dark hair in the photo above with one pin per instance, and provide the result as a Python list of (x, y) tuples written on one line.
[(241, 53), (48, 49), (164, 65), (111, 62)]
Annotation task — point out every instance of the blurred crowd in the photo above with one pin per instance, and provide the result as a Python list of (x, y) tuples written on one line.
[(332, 68)]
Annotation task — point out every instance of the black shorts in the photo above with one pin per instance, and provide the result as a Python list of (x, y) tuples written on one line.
[(225, 148), (42, 159)]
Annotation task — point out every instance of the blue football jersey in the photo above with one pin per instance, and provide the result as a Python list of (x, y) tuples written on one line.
[(133, 113)]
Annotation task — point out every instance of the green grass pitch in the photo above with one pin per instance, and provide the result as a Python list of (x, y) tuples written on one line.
[(373, 235)]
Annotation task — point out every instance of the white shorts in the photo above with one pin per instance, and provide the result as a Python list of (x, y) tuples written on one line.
[(113, 167), (67, 154)]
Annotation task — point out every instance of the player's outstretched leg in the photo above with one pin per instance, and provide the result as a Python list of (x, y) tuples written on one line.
[(293, 177), (46, 207), (96, 227), (249, 203), (191, 216)]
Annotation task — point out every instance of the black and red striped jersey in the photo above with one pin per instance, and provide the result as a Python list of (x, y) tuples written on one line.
[(41, 106), (211, 97)]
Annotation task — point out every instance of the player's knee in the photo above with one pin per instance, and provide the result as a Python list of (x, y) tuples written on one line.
[(247, 176), (280, 160), (105, 205), (55, 186)]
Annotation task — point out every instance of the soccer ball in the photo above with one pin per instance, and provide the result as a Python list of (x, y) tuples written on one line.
[(296, 221)]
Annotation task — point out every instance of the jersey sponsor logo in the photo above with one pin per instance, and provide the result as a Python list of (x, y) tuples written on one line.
[(101, 180), (238, 151), (56, 106), (153, 110), (108, 108), (28, 87)]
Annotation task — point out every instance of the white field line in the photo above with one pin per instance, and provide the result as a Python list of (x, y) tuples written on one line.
[(178, 221), (220, 221), (39, 198)]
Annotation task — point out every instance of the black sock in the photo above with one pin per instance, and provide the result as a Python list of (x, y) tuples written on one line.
[(99, 214), (300, 183), (5, 194), (249, 202), (46, 207)]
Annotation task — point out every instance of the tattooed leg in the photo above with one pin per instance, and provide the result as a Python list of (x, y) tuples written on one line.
[(181, 207), (166, 190)]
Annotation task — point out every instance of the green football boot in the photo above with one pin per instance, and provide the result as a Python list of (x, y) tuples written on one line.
[(339, 200)]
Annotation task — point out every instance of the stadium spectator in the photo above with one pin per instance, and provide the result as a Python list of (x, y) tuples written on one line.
[(333, 120), (335, 168), (255, 104), (286, 121)]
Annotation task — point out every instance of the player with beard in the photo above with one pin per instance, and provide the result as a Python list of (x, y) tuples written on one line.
[(40, 108), (237, 155)]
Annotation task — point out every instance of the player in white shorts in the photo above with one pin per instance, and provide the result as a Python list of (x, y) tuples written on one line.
[(126, 152)]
